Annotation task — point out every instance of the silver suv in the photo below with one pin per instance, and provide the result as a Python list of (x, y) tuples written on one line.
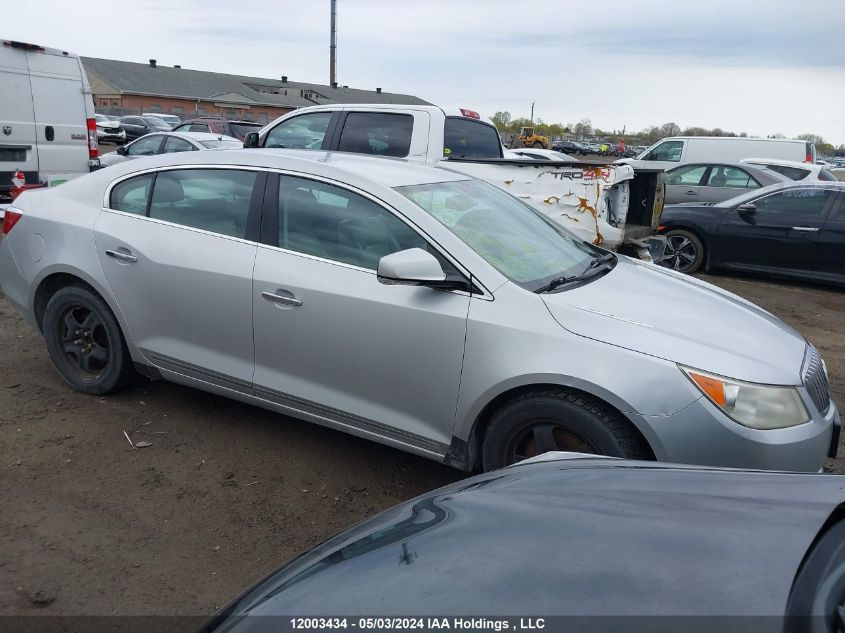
[(407, 304)]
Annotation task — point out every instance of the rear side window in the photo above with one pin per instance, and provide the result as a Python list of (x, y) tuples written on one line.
[(215, 200), (826, 175), (175, 144), (689, 176), (377, 133), (465, 138), (131, 195), (793, 173)]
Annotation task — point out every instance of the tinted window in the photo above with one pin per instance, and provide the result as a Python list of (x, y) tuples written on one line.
[(175, 144), (377, 133), (690, 175), (240, 130), (514, 238), (806, 203), (667, 150), (132, 121), (793, 173), (145, 146), (131, 195), (156, 123), (216, 200), (470, 139), (332, 223), (721, 176), (302, 132)]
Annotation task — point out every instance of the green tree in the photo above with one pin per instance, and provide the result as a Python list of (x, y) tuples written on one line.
[(502, 121), (583, 128)]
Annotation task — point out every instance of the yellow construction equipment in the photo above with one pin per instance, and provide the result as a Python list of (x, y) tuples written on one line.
[(527, 138)]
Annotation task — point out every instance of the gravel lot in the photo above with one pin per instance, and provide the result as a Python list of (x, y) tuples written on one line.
[(225, 493)]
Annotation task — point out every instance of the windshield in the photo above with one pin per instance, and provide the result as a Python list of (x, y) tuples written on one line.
[(749, 195), (512, 237), (221, 144), (157, 123)]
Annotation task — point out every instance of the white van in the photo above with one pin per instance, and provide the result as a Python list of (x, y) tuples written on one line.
[(677, 150), (47, 127)]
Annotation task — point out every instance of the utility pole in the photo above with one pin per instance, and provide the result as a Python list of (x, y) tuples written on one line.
[(532, 113), (333, 46)]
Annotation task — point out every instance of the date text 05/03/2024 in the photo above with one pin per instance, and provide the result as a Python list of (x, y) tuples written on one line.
[(418, 624)]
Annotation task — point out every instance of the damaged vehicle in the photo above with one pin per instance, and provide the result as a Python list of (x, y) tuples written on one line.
[(408, 304), (613, 206)]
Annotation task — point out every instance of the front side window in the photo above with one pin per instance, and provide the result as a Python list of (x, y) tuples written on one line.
[(805, 203), (130, 196), (377, 133), (731, 177), (302, 132), (325, 221), (667, 151), (511, 236), (689, 176), (465, 138), (175, 144), (215, 200), (145, 146)]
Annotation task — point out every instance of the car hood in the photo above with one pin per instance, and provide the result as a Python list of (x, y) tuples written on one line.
[(662, 313), (592, 537), (108, 125)]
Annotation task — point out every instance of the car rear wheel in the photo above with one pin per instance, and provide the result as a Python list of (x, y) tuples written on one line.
[(557, 420), (684, 251), (85, 342)]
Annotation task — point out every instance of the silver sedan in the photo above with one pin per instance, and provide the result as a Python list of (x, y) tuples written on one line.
[(716, 182), (407, 304), (168, 143)]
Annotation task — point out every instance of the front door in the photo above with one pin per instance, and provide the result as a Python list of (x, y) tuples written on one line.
[(332, 341), (683, 184), (830, 251), (174, 252), (779, 231)]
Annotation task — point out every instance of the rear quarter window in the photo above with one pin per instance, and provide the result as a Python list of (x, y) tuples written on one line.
[(466, 138), (131, 196)]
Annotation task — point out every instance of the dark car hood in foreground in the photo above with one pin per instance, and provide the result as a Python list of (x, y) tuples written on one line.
[(566, 537), (662, 313)]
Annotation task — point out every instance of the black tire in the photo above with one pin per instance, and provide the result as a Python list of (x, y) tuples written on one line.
[(537, 145), (557, 419), (85, 342), (684, 251)]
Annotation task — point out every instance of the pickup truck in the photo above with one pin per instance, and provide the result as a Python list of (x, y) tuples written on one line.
[(614, 206)]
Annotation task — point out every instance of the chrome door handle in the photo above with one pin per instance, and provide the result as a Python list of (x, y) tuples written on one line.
[(124, 257), (806, 229), (288, 301)]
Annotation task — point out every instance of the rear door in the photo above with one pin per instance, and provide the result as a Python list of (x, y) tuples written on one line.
[(58, 99), (18, 144), (177, 248), (830, 251), (683, 184), (781, 231), (376, 132)]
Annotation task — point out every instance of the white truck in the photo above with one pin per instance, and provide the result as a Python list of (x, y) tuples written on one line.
[(47, 129), (614, 206)]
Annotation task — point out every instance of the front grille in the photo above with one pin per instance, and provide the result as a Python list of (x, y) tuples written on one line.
[(815, 380)]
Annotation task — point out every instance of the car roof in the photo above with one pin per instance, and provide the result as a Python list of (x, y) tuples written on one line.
[(782, 163), (356, 169)]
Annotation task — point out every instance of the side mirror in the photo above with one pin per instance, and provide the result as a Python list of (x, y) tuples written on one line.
[(411, 267), (251, 140), (748, 208), (121, 149)]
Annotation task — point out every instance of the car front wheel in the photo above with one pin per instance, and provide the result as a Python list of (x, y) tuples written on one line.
[(556, 419), (85, 342), (684, 251)]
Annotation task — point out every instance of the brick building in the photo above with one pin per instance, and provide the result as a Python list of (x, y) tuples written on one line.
[(131, 88)]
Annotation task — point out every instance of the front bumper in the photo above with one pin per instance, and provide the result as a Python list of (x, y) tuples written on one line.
[(103, 135), (702, 434)]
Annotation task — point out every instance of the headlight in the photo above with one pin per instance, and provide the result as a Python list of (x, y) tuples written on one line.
[(752, 405)]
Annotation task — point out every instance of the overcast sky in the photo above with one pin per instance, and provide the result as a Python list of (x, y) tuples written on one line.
[(753, 66)]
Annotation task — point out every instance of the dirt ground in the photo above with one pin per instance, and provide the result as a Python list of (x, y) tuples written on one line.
[(225, 493)]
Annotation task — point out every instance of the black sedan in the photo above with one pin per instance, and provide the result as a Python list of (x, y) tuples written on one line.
[(573, 535), (138, 126), (793, 229)]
